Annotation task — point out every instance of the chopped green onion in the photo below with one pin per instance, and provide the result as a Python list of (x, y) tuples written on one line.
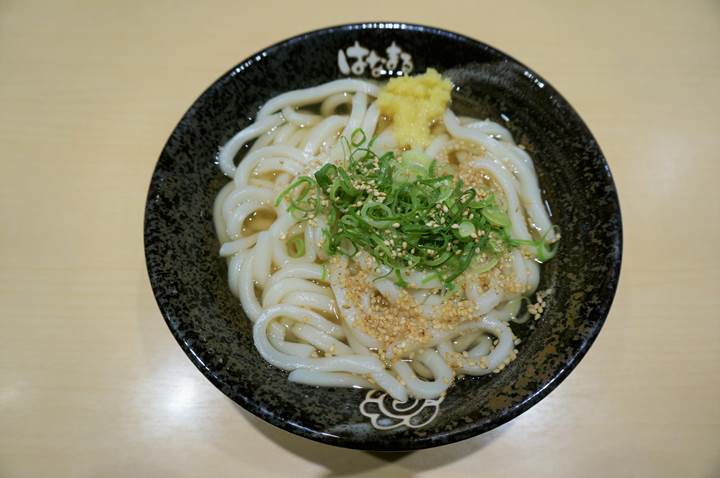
[(466, 229), (357, 137), (544, 250), (400, 281), (545, 253), (297, 243), (482, 268), (411, 165), (404, 211), (496, 216), (444, 193)]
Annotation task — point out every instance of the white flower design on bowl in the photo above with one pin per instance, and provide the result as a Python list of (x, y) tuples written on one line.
[(386, 413)]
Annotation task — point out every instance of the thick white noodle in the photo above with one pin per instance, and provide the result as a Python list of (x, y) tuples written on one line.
[(227, 154), (303, 319), (517, 161), (316, 94), (328, 379)]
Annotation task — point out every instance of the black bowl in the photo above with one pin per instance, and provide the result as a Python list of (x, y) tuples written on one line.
[(189, 279)]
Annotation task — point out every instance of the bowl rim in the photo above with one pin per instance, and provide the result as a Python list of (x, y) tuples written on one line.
[(362, 442)]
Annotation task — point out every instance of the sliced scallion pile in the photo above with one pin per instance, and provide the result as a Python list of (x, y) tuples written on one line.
[(403, 211)]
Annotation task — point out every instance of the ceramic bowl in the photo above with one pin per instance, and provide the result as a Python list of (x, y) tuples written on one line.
[(189, 278)]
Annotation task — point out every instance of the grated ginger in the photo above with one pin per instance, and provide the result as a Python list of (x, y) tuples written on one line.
[(414, 103)]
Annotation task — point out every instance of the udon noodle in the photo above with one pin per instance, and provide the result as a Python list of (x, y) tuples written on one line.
[(348, 319)]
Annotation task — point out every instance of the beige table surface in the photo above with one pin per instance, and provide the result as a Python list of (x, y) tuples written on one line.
[(92, 384)]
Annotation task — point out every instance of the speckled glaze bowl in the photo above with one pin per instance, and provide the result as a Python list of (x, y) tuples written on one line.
[(189, 278)]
